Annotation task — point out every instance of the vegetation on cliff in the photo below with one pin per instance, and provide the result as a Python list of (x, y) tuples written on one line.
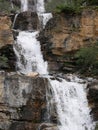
[(6, 7), (96, 127), (87, 60), (3, 62), (69, 6)]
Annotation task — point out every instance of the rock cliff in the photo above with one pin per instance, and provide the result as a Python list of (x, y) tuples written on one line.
[(64, 34), (6, 43), (23, 103)]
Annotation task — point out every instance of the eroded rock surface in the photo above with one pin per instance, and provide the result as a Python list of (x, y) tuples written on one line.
[(6, 43), (64, 34), (27, 21), (23, 103), (6, 36)]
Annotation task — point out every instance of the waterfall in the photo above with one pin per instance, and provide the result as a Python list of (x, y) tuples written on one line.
[(14, 21), (69, 97), (71, 104), (28, 51), (24, 5), (40, 6)]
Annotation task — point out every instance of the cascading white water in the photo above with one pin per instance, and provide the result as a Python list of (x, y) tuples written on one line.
[(29, 54), (71, 104), (40, 6), (24, 5), (14, 21), (69, 97)]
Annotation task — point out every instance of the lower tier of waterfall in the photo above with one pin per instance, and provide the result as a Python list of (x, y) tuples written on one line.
[(71, 104)]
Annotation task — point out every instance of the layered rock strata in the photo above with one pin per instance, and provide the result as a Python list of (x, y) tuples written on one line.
[(65, 33), (23, 103)]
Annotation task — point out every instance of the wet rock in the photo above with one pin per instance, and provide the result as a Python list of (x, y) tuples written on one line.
[(16, 2), (47, 126), (7, 55), (93, 98), (27, 21)]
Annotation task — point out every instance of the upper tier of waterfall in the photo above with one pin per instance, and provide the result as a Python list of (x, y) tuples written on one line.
[(24, 5), (38, 5), (28, 51)]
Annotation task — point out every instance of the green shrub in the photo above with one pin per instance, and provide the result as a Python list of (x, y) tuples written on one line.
[(63, 5), (68, 9), (92, 2), (52, 4), (3, 62), (5, 6), (96, 127), (87, 59)]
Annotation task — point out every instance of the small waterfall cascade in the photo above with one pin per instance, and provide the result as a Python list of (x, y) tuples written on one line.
[(28, 51), (14, 21), (40, 9), (69, 97), (40, 6), (71, 105), (24, 5)]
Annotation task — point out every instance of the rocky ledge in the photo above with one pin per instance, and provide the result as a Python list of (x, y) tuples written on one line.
[(23, 103)]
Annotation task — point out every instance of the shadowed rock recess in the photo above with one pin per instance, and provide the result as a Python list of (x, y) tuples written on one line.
[(23, 103), (6, 44), (27, 21)]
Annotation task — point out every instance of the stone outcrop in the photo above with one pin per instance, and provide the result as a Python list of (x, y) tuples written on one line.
[(6, 43), (27, 21), (69, 32), (6, 36), (23, 103)]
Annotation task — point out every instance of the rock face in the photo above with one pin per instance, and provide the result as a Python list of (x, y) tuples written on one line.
[(6, 42), (27, 21), (23, 103), (6, 36), (67, 33)]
